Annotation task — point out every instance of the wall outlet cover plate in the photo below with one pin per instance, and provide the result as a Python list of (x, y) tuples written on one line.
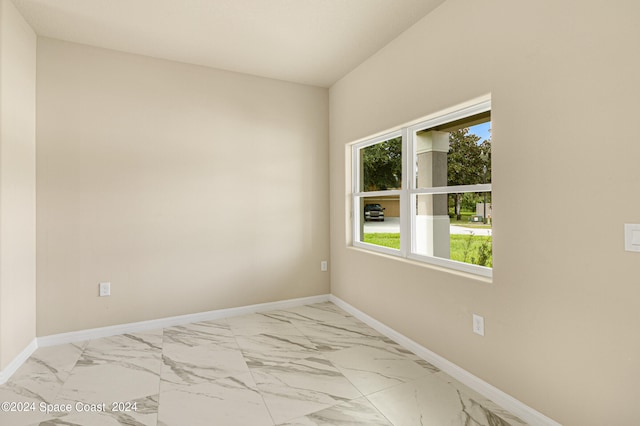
[(105, 289), (478, 324)]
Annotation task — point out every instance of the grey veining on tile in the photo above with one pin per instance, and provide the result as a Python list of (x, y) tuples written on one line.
[(331, 337), (47, 369), (489, 408), (373, 369), (39, 380), (257, 323), (312, 314), (205, 379), (351, 413), (200, 333), (126, 367), (228, 401), (199, 361), (273, 348), (431, 400), (298, 388), (304, 366)]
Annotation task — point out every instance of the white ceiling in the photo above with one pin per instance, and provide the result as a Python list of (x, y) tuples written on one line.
[(305, 41)]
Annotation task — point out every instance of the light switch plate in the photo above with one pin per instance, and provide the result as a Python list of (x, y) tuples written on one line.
[(632, 237)]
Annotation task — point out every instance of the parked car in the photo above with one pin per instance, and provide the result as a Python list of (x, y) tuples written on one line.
[(373, 212)]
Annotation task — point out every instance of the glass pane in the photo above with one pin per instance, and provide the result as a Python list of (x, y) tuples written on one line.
[(380, 221), (455, 226), (451, 155), (381, 166)]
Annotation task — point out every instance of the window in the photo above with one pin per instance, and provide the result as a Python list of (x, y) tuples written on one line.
[(424, 192)]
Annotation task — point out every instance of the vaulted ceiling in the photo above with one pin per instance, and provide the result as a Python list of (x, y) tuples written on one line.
[(305, 41)]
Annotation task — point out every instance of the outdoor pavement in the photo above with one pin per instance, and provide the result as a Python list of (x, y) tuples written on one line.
[(392, 225)]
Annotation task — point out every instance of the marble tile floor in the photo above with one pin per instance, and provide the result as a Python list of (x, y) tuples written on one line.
[(309, 365)]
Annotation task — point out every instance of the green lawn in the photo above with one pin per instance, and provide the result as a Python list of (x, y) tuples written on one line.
[(382, 239), (464, 248)]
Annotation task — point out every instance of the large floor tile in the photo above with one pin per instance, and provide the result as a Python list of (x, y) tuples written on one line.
[(357, 412), (373, 369), (49, 365), (200, 352), (430, 400), (39, 381), (226, 402), (275, 348), (332, 337), (479, 399), (257, 323), (325, 312), (299, 388), (216, 333), (197, 364), (119, 368)]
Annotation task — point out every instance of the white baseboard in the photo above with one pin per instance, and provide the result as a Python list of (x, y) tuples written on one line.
[(134, 327), (506, 401), (18, 361)]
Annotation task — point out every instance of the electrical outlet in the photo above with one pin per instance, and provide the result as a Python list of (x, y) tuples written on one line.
[(105, 289), (323, 266), (478, 324)]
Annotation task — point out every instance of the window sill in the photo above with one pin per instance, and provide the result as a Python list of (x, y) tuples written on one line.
[(412, 262)]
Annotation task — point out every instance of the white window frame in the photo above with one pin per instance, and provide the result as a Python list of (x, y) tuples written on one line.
[(409, 191), (357, 194)]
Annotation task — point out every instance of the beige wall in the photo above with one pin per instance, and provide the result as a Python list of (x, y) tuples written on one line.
[(562, 313), (17, 183), (168, 180)]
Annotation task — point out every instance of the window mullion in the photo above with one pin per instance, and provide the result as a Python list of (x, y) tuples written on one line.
[(378, 193), (355, 167), (405, 206), (460, 189)]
